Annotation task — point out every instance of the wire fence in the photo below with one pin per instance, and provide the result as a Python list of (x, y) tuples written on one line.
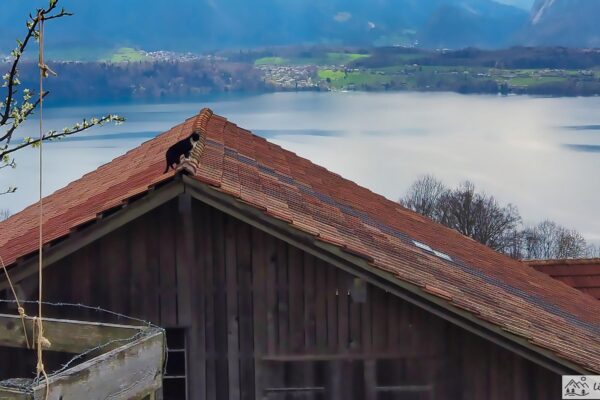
[(28, 384)]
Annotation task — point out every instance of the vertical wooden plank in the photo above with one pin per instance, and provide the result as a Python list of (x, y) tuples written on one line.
[(379, 318), (297, 373), (115, 260), (367, 323), (283, 297), (393, 323), (221, 307), (82, 274), (141, 293), (335, 380), (310, 325), (205, 233), (233, 337), (246, 334), (259, 286), (100, 283), (56, 288), (150, 225), (321, 305), (448, 382), (393, 331), (519, 385), (167, 272), (370, 374), (343, 310), (184, 259), (296, 299), (477, 362), (332, 308), (355, 326), (190, 267), (355, 374), (272, 311), (405, 327)]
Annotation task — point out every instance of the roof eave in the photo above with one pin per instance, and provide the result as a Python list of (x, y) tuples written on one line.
[(93, 230)]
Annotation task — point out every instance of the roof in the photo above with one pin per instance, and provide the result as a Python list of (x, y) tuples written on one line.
[(437, 262), (582, 274)]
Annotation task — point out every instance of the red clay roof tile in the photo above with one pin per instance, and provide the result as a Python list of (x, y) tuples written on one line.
[(583, 274)]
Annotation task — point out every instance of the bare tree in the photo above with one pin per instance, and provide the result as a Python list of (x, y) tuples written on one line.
[(482, 218), (423, 196), (17, 105), (479, 216), (592, 251), (548, 240)]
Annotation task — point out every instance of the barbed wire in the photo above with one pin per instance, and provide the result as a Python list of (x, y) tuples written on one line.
[(86, 307), (28, 384)]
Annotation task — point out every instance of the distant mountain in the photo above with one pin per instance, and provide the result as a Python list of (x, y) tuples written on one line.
[(524, 4), (571, 23), (209, 25), (475, 23), (197, 25)]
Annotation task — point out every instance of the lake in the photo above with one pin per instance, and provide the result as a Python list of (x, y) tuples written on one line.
[(541, 154)]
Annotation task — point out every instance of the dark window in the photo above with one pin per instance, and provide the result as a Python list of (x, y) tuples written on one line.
[(175, 378)]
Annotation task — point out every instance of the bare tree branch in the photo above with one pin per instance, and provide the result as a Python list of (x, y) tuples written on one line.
[(13, 113), (8, 136), (10, 79), (54, 135), (481, 217)]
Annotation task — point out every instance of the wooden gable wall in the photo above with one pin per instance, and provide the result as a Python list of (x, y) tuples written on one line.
[(263, 318)]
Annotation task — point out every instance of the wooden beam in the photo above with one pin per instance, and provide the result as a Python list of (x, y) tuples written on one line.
[(132, 371), (404, 389), (13, 394), (379, 278), (64, 335), (343, 357), (296, 389), (102, 227)]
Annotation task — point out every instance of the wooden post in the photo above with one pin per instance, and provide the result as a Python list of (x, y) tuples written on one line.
[(66, 336), (191, 308), (233, 339), (370, 379)]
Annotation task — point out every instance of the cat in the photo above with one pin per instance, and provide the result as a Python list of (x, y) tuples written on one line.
[(181, 148)]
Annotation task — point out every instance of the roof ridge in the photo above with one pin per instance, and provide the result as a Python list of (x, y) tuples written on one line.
[(200, 127), (563, 261)]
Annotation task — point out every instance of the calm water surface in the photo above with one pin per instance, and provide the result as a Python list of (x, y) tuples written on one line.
[(542, 154)]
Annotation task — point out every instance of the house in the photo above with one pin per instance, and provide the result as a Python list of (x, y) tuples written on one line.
[(582, 274), (277, 279)]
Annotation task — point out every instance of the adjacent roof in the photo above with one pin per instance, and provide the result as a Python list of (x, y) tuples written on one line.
[(583, 274), (435, 260)]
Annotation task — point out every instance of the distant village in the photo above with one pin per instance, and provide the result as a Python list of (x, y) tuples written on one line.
[(171, 74), (290, 77)]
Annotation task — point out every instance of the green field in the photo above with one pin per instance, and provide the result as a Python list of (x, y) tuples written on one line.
[(331, 58), (343, 58), (330, 74), (359, 80), (272, 61), (125, 54), (535, 80)]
